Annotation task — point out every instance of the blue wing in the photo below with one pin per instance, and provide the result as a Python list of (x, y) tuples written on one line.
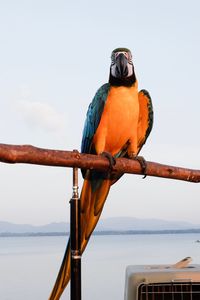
[(93, 117)]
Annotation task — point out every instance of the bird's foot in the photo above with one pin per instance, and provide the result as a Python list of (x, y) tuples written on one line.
[(111, 159), (142, 163)]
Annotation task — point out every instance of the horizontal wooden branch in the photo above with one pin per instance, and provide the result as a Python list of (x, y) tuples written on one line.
[(32, 155)]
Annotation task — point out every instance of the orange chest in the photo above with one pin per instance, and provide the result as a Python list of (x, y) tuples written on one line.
[(118, 120), (121, 105)]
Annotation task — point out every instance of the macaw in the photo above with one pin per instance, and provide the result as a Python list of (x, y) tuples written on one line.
[(118, 122)]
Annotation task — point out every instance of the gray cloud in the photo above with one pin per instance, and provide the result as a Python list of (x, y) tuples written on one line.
[(41, 115)]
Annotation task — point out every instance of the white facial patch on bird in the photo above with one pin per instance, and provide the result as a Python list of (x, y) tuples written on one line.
[(130, 69)]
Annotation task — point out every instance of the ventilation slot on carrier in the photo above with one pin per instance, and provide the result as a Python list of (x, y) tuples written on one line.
[(170, 291)]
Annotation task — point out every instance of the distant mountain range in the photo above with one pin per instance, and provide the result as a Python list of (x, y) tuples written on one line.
[(130, 223), (6, 227), (118, 224)]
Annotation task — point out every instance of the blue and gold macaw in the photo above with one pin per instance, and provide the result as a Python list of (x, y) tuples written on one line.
[(118, 122)]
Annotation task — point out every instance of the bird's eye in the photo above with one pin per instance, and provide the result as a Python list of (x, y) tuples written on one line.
[(126, 54)]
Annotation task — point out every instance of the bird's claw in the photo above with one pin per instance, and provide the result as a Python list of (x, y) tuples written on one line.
[(111, 159), (142, 163)]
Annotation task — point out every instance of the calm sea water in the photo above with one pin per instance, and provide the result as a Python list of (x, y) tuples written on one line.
[(28, 265)]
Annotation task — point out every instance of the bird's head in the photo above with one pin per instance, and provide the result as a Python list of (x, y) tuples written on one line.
[(122, 69)]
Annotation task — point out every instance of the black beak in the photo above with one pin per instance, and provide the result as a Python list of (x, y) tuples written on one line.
[(121, 66)]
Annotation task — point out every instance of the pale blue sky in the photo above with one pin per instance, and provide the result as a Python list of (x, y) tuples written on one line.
[(54, 55)]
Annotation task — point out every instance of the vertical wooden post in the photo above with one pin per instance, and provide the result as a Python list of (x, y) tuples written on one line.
[(75, 240)]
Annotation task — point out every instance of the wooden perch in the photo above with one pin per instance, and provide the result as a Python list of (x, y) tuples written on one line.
[(32, 155)]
